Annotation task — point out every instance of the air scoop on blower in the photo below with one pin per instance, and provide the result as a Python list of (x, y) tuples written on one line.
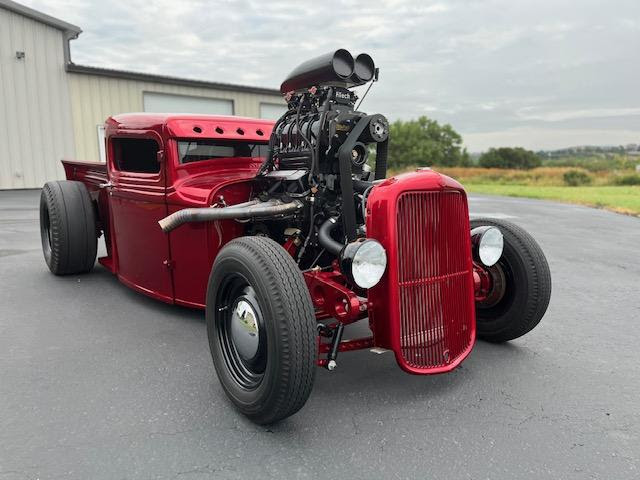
[(334, 68)]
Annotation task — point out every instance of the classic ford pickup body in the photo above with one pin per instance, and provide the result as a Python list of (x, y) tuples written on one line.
[(285, 235)]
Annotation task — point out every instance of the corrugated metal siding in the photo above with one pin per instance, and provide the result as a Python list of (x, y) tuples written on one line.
[(35, 114), (94, 98)]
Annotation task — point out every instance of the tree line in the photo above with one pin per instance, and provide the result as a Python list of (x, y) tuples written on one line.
[(426, 142)]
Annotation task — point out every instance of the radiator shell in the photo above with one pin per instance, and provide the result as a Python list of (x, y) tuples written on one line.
[(424, 308)]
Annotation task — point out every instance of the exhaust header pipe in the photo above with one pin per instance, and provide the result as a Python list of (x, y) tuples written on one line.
[(248, 210)]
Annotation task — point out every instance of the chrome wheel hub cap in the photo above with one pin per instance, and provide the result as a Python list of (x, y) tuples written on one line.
[(245, 330)]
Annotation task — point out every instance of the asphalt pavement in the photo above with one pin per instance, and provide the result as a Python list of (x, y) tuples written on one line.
[(100, 382)]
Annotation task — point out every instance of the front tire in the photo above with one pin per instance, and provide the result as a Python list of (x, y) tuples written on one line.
[(68, 227), (262, 329), (521, 288)]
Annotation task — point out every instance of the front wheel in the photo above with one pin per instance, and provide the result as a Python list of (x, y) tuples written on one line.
[(520, 286), (262, 329)]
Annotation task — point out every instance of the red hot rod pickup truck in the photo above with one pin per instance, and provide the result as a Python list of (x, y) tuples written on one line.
[(285, 235)]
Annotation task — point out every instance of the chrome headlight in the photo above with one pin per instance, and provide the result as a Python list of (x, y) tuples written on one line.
[(487, 243), (364, 262)]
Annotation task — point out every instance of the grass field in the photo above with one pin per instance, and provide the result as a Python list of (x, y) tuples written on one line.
[(542, 176), (603, 190), (619, 199)]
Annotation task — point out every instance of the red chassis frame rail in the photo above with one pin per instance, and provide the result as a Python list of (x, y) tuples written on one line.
[(333, 299)]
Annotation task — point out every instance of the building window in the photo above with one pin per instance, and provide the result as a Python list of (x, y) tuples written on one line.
[(138, 155), (272, 111), (168, 103)]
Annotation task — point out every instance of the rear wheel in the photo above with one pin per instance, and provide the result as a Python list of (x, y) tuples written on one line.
[(261, 328), (520, 286), (68, 227)]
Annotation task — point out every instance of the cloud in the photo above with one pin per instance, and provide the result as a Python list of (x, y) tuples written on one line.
[(498, 71), (531, 138), (561, 115)]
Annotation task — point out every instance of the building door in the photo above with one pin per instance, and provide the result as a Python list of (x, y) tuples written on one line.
[(272, 111), (138, 201)]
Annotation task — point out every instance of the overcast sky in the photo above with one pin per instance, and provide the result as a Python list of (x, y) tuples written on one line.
[(541, 74)]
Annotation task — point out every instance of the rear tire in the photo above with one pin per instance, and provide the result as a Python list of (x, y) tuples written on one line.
[(262, 329), (525, 291), (68, 227)]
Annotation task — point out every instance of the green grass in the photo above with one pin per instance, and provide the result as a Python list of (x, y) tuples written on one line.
[(623, 199)]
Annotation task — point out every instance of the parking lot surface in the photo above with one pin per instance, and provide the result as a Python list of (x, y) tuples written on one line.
[(100, 382)]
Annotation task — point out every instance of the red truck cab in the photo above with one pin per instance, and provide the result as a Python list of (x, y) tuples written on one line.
[(149, 175)]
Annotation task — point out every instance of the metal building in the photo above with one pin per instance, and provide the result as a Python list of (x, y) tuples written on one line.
[(51, 108)]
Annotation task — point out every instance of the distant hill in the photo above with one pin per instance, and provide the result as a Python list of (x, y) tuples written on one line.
[(594, 158), (601, 151), (591, 157)]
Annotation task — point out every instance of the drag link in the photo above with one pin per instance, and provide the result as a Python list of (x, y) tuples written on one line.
[(335, 344)]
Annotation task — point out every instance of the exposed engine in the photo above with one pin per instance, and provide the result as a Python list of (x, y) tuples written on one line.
[(318, 154), (310, 193)]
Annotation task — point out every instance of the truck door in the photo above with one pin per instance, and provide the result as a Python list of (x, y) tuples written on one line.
[(138, 200)]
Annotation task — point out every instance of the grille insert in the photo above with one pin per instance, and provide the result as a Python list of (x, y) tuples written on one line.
[(433, 273)]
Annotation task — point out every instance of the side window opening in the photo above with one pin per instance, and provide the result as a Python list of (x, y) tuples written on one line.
[(138, 155)]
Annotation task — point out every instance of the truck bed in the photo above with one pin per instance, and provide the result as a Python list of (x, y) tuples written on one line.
[(92, 174)]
